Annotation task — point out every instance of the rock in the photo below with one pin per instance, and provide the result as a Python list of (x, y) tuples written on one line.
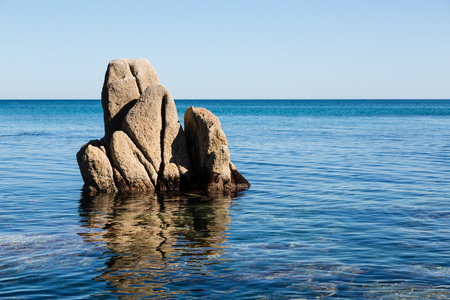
[(144, 73), (145, 147), (121, 184), (131, 163), (95, 168), (208, 149), (237, 179), (125, 80), (153, 126)]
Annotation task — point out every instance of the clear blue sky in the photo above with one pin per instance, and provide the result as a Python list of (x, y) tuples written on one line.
[(299, 49)]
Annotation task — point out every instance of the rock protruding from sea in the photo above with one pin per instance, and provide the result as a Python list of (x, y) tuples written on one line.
[(145, 147), (208, 149)]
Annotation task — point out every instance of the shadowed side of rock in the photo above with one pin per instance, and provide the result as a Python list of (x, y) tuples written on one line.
[(208, 149)]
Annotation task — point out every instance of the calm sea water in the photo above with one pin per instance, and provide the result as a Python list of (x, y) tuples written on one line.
[(349, 199)]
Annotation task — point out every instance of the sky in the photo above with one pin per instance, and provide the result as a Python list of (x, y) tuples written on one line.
[(299, 49)]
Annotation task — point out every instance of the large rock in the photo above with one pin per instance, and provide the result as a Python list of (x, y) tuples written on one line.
[(145, 147), (208, 149), (125, 81), (153, 125)]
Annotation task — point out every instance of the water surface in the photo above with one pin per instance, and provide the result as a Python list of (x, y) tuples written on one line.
[(349, 199)]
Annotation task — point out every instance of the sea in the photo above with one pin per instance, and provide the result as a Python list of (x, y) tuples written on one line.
[(350, 199)]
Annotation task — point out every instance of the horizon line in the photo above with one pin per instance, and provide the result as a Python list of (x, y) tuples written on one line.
[(228, 99)]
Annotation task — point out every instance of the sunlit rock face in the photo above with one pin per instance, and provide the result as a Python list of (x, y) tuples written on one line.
[(145, 147), (125, 81)]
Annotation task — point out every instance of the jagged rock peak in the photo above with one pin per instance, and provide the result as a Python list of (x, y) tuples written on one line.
[(145, 147)]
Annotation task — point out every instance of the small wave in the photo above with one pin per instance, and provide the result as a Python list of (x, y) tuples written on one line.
[(28, 133)]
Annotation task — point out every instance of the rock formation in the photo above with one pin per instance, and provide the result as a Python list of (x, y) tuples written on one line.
[(208, 150), (145, 147)]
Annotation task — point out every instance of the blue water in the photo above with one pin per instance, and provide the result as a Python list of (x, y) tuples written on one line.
[(349, 199)]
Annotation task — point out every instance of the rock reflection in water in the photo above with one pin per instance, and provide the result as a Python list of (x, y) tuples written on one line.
[(154, 239)]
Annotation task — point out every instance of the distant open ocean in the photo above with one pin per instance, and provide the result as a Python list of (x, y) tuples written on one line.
[(350, 199)]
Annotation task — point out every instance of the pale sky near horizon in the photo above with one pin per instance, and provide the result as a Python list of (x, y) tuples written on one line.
[(304, 49)]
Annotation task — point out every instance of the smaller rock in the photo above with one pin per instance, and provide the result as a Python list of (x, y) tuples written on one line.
[(209, 154), (131, 163), (237, 179), (95, 168)]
